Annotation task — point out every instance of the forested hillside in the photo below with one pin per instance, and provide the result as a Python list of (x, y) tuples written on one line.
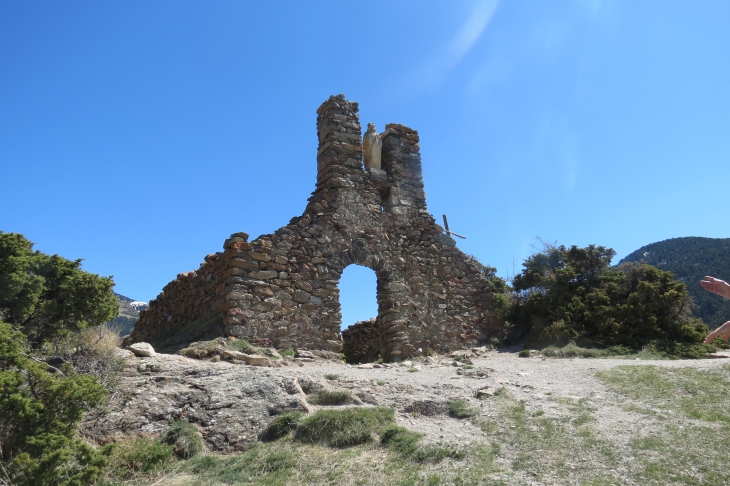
[(690, 259)]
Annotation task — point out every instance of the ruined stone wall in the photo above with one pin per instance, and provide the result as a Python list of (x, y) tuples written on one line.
[(191, 296), (284, 286), (362, 341)]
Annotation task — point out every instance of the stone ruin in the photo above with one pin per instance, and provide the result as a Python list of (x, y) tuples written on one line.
[(282, 289)]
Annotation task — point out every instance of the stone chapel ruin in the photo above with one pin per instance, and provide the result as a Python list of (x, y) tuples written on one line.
[(282, 289)]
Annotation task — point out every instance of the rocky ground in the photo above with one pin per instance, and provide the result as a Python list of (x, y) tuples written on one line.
[(231, 403)]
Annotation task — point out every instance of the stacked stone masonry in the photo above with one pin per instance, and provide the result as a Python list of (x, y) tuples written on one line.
[(283, 287)]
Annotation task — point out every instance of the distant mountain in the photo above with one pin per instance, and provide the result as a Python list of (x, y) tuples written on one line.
[(128, 313), (690, 259)]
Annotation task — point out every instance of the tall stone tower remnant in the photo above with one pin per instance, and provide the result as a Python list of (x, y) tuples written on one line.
[(282, 288)]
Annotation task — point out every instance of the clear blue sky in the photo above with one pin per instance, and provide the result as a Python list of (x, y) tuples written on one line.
[(138, 135)]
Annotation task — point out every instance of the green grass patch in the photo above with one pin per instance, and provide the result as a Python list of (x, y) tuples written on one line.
[(284, 463), (202, 349), (551, 450), (243, 346), (688, 440), (698, 394), (572, 350), (344, 428), (462, 409), (184, 438), (287, 353), (330, 397), (406, 443), (401, 439), (331, 376), (142, 455), (283, 425)]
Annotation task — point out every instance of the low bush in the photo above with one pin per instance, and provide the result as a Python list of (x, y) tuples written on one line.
[(330, 397), (525, 353), (344, 428), (331, 376), (462, 408), (184, 437)]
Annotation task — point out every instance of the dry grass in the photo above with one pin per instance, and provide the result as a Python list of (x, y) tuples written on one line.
[(99, 340)]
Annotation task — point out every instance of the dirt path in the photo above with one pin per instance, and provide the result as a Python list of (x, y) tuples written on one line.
[(540, 382)]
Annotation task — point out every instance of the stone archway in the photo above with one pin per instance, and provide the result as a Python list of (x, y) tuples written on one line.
[(281, 288)]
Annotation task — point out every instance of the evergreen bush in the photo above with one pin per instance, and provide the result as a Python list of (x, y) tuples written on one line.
[(573, 294), (39, 412)]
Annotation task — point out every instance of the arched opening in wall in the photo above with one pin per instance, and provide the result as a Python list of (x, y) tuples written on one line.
[(358, 295)]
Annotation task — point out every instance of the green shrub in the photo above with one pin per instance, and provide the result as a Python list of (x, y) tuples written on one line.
[(573, 294), (525, 353), (344, 428), (619, 350), (330, 397), (46, 296), (283, 425), (462, 408), (39, 412), (331, 376), (288, 353), (184, 437)]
